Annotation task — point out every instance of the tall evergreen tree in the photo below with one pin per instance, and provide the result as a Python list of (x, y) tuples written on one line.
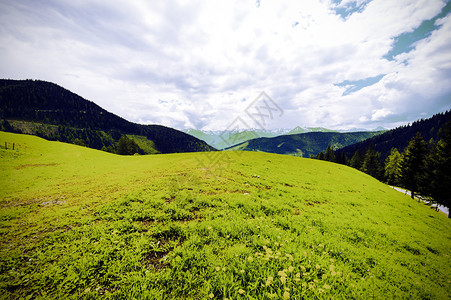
[(356, 160), (413, 164), (371, 163), (341, 158), (438, 168), (393, 167), (330, 155)]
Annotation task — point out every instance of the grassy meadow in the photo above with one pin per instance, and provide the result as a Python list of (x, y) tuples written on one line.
[(77, 223)]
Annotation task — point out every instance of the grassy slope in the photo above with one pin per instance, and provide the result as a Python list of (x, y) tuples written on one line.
[(80, 223), (32, 128)]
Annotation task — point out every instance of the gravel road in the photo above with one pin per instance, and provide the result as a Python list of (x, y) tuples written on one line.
[(440, 207)]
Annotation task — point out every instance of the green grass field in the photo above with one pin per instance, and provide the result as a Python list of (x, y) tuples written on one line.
[(77, 223)]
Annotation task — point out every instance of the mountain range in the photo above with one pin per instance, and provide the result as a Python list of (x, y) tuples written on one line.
[(347, 143), (304, 144), (50, 111), (222, 139)]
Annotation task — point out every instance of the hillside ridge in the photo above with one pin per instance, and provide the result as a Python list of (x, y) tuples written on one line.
[(303, 144), (58, 114), (399, 137)]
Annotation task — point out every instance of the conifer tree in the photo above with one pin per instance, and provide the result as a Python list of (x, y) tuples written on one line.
[(371, 163), (393, 167), (438, 168), (413, 164), (340, 157), (356, 160), (330, 155)]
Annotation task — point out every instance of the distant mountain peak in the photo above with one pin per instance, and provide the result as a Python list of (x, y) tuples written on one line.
[(379, 128), (222, 139)]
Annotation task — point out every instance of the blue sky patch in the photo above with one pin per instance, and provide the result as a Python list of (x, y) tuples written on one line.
[(350, 8), (354, 86), (405, 42)]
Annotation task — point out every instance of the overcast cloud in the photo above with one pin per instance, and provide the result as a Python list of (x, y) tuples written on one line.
[(199, 64)]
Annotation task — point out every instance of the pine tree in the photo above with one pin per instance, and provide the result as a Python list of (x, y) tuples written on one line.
[(393, 167), (438, 168), (330, 155), (340, 157), (413, 164), (356, 160), (371, 163)]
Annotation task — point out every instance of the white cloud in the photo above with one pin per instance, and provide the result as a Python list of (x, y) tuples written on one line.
[(191, 64)]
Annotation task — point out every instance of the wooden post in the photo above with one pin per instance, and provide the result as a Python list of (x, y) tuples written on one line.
[(13, 146)]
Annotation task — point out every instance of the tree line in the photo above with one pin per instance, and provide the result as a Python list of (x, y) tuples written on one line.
[(124, 146), (399, 137), (423, 167)]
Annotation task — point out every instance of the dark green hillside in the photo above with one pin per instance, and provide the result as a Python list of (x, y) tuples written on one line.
[(399, 137), (303, 144), (50, 111), (48, 103)]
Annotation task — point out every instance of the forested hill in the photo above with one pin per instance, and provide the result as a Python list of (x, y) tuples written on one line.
[(399, 137), (304, 144), (50, 111)]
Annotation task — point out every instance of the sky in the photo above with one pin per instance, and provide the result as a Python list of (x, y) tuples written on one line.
[(216, 65)]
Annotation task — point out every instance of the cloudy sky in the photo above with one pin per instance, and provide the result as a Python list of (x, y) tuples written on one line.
[(201, 64)]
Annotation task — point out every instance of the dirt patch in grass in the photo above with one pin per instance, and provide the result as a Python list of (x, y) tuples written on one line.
[(35, 165), (51, 201), (154, 260)]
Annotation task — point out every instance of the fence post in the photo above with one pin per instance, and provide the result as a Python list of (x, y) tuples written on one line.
[(13, 145)]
